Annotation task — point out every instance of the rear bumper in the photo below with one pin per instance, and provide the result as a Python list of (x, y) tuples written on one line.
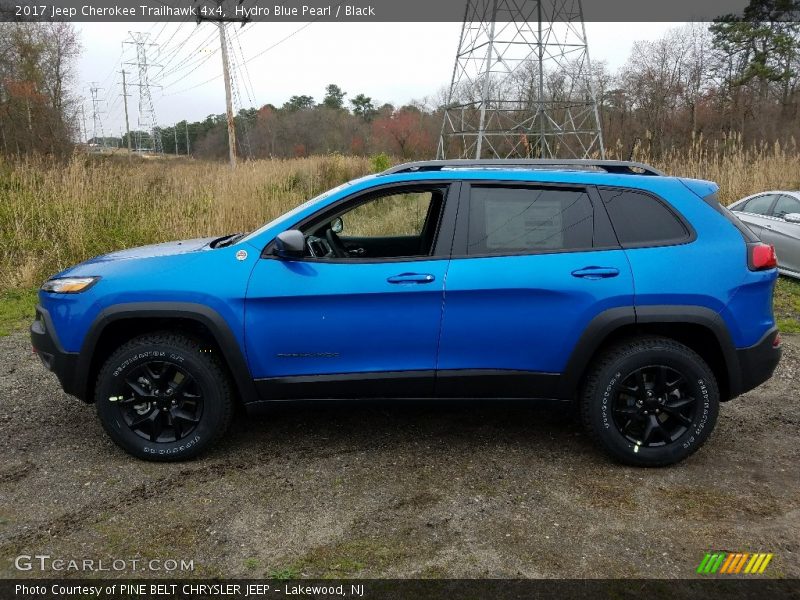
[(758, 362), (46, 345)]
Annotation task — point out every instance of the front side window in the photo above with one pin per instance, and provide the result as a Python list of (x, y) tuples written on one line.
[(786, 205), (401, 214), (506, 220), (395, 223)]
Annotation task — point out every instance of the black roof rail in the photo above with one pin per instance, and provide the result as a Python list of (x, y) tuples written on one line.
[(617, 167)]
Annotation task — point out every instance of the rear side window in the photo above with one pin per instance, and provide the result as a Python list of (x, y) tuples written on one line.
[(639, 219), (506, 220)]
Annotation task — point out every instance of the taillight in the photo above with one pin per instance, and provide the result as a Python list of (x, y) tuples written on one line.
[(761, 256)]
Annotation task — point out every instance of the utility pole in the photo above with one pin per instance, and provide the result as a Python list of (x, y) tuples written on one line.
[(221, 19), (187, 137), (127, 123), (228, 98), (175, 134)]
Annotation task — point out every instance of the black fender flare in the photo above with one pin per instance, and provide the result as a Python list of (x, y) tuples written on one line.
[(609, 321), (231, 351)]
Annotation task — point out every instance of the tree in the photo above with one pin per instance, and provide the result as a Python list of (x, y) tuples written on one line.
[(408, 132), (363, 107), (37, 111), (761, 47), (334, 97), (298, 103)]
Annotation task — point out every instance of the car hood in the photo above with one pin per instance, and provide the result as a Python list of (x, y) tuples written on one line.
[(154, 250)]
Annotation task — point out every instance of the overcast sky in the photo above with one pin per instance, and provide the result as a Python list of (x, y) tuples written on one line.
[(390, 62)]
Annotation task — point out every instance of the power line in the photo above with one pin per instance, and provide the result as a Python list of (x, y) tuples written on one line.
[(249, 60), (170, 56), (238, 102), (166, 44), (247, 80), (190, 56), (191, 59), (203, 61)]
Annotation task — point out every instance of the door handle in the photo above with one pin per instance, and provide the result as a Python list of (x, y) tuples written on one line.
[(596, 272), (411, 278)]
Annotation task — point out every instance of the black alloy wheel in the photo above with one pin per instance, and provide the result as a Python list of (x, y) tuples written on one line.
[(653, 406), (160, 402)]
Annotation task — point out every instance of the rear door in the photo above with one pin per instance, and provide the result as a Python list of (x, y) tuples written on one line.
[(783, 235), (532, 266)]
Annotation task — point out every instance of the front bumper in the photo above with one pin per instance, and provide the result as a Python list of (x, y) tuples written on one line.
[(758, 362), (46, 345)]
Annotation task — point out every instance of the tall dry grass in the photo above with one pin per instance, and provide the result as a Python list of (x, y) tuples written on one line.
[(52, 216), (738, 170)]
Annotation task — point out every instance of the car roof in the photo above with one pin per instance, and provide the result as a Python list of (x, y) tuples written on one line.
[(793, 193)]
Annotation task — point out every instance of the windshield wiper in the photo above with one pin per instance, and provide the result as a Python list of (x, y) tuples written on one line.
[(227, 240)]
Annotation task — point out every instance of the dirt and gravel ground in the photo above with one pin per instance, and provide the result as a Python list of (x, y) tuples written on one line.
[(370, 490)]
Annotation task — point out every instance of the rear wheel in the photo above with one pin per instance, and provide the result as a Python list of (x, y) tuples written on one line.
[(650, 401), (163, 397)]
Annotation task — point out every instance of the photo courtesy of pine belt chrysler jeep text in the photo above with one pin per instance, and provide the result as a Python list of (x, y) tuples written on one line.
[(635, 295)]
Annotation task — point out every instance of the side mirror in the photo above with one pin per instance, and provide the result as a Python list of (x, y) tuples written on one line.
[(792, 218), (290, 244)]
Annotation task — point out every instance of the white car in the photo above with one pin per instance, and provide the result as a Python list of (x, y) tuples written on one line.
[(775, 218)]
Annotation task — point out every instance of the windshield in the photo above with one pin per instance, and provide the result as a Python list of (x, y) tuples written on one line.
[(296, 210)]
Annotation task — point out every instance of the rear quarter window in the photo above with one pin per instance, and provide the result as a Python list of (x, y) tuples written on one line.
[(640, 219)]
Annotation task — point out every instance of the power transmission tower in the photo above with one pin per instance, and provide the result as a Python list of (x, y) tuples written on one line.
[(83, 120), (147, 113), (218, 16), (522, 84), (97, 121), (127, 121)]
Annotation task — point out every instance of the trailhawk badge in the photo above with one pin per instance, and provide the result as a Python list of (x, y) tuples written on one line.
[(241, 255)]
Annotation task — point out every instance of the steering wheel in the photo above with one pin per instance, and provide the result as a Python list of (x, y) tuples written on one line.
[(336, 244)]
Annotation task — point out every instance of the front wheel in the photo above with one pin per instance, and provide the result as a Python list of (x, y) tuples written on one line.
[(650, 402), (163, 397)]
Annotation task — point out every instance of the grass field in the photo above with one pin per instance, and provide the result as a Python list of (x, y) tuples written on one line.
[(55, 215)]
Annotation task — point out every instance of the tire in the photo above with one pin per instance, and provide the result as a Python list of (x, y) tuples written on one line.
[(649, 402), (161, 397)]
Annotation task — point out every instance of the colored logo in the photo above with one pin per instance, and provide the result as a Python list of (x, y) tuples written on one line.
[(731, 563), (241, 255)]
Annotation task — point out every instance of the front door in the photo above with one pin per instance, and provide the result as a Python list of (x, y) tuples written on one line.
[(360, 314)]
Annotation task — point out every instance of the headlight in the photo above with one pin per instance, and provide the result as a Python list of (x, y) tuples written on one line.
[(69, 285)]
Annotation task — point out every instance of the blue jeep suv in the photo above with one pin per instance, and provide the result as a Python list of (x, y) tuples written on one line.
[(608, 284)]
